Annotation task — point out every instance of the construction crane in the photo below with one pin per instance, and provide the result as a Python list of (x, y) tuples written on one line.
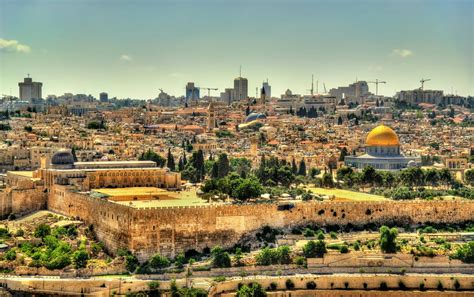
[(423, 82), (209, 90), (377, 82), (325, 91), (312, 86)]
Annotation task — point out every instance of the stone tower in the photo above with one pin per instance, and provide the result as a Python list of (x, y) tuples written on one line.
[(211, 120)]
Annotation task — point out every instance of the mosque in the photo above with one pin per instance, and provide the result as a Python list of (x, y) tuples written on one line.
[(382, 152)]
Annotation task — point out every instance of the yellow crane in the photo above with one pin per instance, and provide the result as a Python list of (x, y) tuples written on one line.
[(377, 82)]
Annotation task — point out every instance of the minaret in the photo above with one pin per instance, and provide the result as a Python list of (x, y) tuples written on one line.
[(211, 120)]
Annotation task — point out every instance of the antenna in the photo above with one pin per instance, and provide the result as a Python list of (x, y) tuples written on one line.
[(240, 71), (28, 75)]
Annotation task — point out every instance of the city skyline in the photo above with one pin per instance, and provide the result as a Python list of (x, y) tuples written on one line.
[(134, 50)]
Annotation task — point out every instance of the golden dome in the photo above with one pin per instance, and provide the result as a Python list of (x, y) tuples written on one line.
[(382, 136)]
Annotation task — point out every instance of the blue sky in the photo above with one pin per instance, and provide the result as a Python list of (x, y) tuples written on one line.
[(133, 48)]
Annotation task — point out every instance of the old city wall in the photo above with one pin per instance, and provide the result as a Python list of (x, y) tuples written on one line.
[(21, 201), (111, 221), (169, 231), (172, 230)]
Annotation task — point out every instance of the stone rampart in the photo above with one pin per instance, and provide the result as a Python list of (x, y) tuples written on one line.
[(169, 231), (21, 201)]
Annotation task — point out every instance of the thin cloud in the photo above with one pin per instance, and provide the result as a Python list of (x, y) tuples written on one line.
[(402, 52), (125, 57), (13, 46)]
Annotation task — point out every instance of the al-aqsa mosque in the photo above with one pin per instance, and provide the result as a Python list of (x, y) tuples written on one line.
[(382, 152)]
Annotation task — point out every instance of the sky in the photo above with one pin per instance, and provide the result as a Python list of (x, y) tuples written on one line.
[(134, 48)]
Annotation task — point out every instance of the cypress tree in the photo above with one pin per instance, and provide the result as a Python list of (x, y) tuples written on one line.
[(302, 170), (294, 168), (170, 163), (215, 170), (223, 165)]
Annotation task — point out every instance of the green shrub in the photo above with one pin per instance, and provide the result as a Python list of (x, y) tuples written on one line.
[(273, 286), (10, 255), (401, 285), (383, 286), (344, 249), (457, 285), (290, 285), (422, 286), (220, 278), (42, 230), (80, 258), (313, 249), (311, 285), (220, 258), (440, 286), (465, 252), (159, 261), (153, 285)]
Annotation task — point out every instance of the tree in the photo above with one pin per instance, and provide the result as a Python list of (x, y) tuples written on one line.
[(294, 168), (388, 239), (302, 169), (152, 156), (431, 177), (465, 252), (339, 120), (251, 290), (469, 177), (170, 161), (220, 258), (314, 249), (42, 230), (159, 261), (368, 175), (343, 154), (180, 164), (215, 170), (223, 165), (73, 152), (80, 258), (238, 257), (247, 188), (445, 176), (327, 180)]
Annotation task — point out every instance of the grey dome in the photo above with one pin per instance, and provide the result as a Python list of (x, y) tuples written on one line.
[(255, 116), (62, 157)]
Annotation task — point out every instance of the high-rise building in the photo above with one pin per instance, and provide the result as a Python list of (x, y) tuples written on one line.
[(268, 89), (228, 96), (192, 92), (104, 97), (30, 89), (240, 88)]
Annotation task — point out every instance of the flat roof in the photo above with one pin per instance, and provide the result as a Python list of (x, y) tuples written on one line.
[(138, 191), (116, 162)]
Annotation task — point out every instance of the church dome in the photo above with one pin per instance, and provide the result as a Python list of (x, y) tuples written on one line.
[(382, 136), (62, 157)]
